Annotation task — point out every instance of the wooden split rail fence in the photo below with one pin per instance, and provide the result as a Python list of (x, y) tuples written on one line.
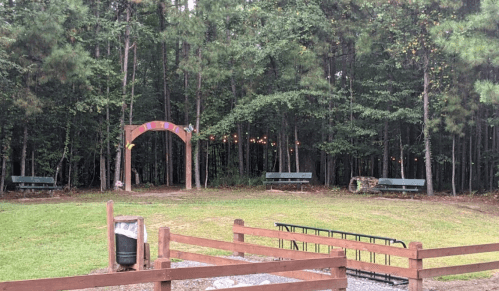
[(163, 275), (296, 265), (415, 254)]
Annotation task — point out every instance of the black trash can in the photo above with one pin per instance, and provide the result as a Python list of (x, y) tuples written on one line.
[(126, 250)]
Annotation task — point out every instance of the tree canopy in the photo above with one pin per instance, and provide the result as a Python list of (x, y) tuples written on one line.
[(337, 88)]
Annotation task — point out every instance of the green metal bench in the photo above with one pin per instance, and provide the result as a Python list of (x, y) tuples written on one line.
[(40, 183), (291, 178), (389, 184)]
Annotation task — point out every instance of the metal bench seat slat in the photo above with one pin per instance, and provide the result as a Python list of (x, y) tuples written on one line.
[(282, 175), (399, 189), (39, 187), (285, 182), (402, 182), (29, 179)]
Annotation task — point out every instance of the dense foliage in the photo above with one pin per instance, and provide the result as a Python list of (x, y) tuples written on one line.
[(339, 88)]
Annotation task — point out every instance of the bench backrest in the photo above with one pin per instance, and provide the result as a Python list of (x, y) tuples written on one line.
[(402, 182), (29, 179), (286, 175)]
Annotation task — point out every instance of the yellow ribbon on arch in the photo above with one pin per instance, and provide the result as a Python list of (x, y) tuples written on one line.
[(129, 145)]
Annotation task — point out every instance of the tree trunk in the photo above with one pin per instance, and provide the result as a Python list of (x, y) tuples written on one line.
[(5, 149), (4, 169), (108, 132), (166, 99), (297, 156), (439, 165), (207, 163), (23, 153), (453, 165), (33, 163), (137, 176), (198, 120), (330, 173), (463, 163), (65, 150), (426, 105), (471, 164), (288, 158), (68, 185), (486, 149), (248, 150), (281, 146), (266, 152), (102, 159), (386, 157), (240, 151), (492, 163), (478, 158), (402, 173), (322, 173), (155, 149), (132, 93), (102, 167), (117, 167), (59, 165)]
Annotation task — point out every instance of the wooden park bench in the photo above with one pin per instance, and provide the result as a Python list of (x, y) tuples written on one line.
[(290, 178), (389, 184), (37, 183)]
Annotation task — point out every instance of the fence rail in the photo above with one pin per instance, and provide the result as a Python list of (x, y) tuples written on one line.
[(457, 251)]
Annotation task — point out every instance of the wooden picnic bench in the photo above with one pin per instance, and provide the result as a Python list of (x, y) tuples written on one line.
[(40, 183), (291, 178), (389, 184)]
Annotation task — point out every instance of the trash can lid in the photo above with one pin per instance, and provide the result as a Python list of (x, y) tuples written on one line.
[(129, 229)]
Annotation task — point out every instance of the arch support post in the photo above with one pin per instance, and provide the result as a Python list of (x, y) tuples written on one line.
[(188, 162), (128, 159)]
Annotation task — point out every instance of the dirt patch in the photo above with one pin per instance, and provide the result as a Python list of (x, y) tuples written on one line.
[(491, 284)]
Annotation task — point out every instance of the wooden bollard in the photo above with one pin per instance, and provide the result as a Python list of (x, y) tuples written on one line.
[(140, 245), (162, 263), (341, 272), (164, 242), (110, 236), (416, 264), (238, 237)]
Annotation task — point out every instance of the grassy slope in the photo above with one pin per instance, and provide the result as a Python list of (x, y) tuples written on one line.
[(64, 239)]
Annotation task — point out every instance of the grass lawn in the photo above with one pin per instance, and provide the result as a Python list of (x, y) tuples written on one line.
[(65, 237)]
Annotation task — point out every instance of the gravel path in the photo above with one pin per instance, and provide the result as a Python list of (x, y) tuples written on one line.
[(354, 283)]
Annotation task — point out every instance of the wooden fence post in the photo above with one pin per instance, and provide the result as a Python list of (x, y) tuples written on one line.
[(162, 263), (110, 236), (416, 264), (341, 272), (140, 244), (164, 242), (238, 237)]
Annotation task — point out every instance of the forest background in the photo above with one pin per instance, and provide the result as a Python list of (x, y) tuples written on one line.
[(339, 88)]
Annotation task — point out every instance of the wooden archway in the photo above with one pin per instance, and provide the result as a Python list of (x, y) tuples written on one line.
[(133, 131)]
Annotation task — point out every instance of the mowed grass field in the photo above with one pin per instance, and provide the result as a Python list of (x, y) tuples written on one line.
[(67, 236)]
